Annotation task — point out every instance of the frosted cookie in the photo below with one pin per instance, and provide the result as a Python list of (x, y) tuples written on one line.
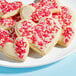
[(29, 12), (9, 9), (66, 21), (52, 5), (17, 50), (12, 33), (66, 37), (7, 23), (16, 18), (42, 37), (4, 38)]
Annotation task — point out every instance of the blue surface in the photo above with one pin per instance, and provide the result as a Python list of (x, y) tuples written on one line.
[(65, 67)]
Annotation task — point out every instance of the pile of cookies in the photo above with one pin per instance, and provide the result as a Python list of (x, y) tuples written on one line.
[(39, 26)]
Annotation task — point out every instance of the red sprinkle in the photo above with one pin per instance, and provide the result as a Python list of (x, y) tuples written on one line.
[(68, 33), (21, 45)]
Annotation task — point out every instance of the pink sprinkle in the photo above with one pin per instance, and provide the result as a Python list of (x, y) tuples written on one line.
[(21, 47), (68, 33)]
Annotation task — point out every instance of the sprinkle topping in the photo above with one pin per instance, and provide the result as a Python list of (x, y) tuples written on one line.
[(7, 7), (49, 4), (39, 13), (20, 47), (8, 22), (41, 34), (68, 33)]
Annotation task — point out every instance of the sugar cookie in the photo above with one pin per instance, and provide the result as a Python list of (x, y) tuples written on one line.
[(17, 50), (42, 37), (52, 5), (66, 21), (9, 9)]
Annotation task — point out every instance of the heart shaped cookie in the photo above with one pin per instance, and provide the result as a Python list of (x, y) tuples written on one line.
[(17, 50), (42, 36), (66, 20), (9, 9)]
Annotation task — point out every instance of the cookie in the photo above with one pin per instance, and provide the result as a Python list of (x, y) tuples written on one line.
[(52, 5), (7, 23), (66, 21), (66, 37), (33, 13), (17, 50), (4, 38), (9, 9), (42, 37), (26, 12)]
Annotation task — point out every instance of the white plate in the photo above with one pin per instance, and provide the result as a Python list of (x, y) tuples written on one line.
[(35, 59)]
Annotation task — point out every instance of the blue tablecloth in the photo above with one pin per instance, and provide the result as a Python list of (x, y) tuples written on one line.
[(64, 67)]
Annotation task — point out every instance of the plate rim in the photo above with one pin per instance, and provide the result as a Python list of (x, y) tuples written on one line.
[(58, 59)]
